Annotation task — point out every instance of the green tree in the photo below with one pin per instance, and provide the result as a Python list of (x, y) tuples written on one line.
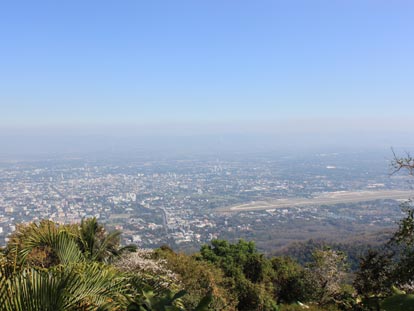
[(291, 281), (403, 244), (200, 278), (373, 279), (383, 272), (97, 244), (250, 271)]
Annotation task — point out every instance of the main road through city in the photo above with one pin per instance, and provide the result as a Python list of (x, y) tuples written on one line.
[(327, 198)]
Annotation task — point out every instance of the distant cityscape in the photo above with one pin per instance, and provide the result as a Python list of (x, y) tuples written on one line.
[(180, 201)]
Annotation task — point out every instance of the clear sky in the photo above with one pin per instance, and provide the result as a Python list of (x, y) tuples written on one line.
[(154, 63)]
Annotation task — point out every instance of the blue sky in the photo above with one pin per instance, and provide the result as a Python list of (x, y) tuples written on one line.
[(153, 63)]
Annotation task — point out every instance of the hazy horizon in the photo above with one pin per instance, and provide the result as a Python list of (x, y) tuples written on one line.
[(285, 137), (233, 75)]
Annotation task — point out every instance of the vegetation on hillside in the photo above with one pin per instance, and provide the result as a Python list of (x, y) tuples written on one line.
[(49, 266)]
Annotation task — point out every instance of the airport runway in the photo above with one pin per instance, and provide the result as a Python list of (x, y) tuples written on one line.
[(328, 198)]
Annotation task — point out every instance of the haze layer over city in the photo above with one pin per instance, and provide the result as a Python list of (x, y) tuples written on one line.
[(185, 121)]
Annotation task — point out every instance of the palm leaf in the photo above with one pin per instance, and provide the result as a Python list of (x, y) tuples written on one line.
[(83, 286), (34, 236)]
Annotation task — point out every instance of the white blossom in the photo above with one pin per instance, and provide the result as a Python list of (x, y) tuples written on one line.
[(142, 264)]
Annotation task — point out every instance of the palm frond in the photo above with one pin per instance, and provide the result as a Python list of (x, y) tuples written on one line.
[(82, 286)]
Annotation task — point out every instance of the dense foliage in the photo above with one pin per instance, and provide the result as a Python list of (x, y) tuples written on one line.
[(47, 266)]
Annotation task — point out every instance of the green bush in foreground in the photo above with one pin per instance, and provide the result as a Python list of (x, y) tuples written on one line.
[(51, 267)]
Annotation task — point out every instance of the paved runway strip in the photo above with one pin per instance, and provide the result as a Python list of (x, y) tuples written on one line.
[(328, 198)]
